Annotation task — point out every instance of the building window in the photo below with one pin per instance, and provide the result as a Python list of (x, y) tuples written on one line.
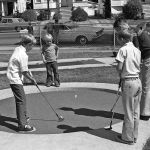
[(37, 1)]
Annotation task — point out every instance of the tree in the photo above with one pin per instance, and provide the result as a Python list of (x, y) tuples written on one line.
[(133, 9), (79, 14), (107, 8), (29, 15)]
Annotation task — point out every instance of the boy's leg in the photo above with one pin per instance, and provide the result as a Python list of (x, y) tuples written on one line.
[(131, 117), (49, 80), (20, 100), (56, 73), (137, 108)]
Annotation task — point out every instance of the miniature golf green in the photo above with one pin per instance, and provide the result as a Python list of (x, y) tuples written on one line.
[(83, 109)]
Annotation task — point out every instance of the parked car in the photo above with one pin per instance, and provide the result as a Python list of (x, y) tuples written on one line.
[(8, 23), (72, 32)]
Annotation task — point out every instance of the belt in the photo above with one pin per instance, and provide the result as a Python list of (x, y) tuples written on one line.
[(130, 78)]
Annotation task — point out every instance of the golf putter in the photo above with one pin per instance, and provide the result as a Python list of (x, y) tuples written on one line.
[(60, 118), (118, 96)]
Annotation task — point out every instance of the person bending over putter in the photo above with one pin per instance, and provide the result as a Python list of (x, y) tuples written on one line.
[(128, 66), (18, 66)]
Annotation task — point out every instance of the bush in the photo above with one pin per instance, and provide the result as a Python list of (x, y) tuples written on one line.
[(42, 15), (29, 15), (79, 15), (133, 9)]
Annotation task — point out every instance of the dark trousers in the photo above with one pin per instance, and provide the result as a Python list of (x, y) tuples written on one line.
[(52, 69), (20, 100)]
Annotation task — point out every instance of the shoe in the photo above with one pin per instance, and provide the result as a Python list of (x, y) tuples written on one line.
[(27, 128), (135, 140), (57, 84), (146, 118), (119, 139), (48, 84)]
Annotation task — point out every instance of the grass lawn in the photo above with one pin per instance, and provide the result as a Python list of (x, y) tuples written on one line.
[(99, 74)]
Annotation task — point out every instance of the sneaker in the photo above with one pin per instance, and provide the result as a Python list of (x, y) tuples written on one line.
[(145, 118), (27, 128), (57, 84), (135, 140), (48, 84), (119, 139)]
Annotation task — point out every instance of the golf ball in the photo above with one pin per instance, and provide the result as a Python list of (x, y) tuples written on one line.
[(75, 96)]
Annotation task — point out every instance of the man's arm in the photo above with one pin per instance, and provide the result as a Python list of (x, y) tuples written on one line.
[(28, 75), (119, 68)]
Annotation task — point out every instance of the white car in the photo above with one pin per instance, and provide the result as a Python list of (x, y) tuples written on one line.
[(69, 32), (8, 23)]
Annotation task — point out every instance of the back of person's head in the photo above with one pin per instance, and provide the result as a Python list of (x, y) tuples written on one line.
[(47, 38), (124, 36), (29, 38), (121, 25)]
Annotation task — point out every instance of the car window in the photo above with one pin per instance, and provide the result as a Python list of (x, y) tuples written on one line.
[(4, 21), (63, 27), (10, 21)]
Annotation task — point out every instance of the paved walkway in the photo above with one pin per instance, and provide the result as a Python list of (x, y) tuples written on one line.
[(98, 139)]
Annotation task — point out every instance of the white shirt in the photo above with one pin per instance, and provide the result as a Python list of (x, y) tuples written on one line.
[(130, 56), (18, 63)]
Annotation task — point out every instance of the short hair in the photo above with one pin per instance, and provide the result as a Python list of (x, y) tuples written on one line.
[(125, 36), (29, 38), (47, 37), (118, 22)]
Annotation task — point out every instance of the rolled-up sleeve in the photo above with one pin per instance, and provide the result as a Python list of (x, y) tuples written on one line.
[(120, 56), (23, 62)]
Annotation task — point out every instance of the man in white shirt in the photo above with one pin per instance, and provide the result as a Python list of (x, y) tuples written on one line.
[(18, 66), (128, 67)]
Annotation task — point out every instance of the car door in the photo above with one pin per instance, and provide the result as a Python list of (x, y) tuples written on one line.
[(65, 34), (6, 24), (3, 25)]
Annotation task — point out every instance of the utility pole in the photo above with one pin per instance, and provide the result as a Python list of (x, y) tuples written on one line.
[(48, 9)]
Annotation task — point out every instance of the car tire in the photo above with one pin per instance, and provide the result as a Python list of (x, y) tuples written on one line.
[(82, 40), (18, 29)]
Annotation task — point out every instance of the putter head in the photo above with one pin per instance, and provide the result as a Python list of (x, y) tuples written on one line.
[(110, 128), (61, 118)]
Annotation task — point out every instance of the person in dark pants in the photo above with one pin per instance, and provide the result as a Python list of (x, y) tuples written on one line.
[(56, 32), (144, 46), (30, 28), (141, 40), (50, 55), (18, 66)]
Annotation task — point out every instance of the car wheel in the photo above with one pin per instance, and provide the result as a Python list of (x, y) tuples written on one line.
[(18, 29), (82, 40)]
